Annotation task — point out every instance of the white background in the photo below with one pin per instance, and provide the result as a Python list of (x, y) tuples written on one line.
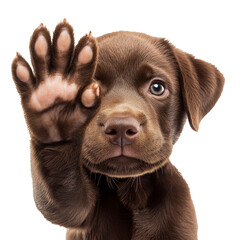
[(209, 160)]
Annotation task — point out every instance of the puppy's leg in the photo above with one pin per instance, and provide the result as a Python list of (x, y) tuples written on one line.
[(170, 213), (58, 99), (73, 234)]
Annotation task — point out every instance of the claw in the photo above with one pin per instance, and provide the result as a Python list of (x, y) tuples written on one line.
[(96, 87), (90, 34), (40, 26)]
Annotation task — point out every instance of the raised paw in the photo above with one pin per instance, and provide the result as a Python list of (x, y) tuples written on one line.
[(62, 78)]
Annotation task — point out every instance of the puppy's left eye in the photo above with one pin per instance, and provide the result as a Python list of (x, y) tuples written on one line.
[(157, 88)]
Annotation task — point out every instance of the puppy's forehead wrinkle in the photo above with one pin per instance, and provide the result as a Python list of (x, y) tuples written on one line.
[(126, 50)]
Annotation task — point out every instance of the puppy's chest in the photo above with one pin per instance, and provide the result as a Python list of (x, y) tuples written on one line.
[(114, 215), (111, 220)]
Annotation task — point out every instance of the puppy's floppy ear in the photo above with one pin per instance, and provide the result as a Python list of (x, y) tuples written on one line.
[(201, 84)]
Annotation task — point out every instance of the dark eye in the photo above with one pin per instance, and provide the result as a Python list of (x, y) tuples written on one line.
[(157, 88)]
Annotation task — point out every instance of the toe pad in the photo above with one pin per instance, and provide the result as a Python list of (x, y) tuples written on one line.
[(90, 95), (86, 55), (22, 73), (64, 41), (41, 46)]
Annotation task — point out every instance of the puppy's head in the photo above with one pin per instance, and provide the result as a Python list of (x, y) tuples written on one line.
[(149, 88)]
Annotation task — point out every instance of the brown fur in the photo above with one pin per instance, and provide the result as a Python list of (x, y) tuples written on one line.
[(76, 185)]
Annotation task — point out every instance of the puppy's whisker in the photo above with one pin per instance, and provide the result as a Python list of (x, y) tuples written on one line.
[(109, 182), (136, 185), (115, 181), (99, 179)]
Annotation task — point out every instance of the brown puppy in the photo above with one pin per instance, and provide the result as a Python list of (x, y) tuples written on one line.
[(103, 118)]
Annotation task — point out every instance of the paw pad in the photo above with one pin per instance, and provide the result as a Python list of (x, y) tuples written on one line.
[(41, 46), (86, 55), (64, 41), (90, 94), (50, 90), (22, 73)]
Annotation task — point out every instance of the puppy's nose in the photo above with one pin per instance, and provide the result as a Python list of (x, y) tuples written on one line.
[(121, 130)]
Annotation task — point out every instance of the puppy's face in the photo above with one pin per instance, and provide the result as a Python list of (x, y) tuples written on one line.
[(143, 109)]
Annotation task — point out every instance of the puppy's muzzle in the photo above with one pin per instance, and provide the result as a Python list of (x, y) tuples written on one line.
[(121, 130)]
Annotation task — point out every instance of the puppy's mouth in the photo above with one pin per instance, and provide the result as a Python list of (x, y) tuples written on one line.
[(123, 166)]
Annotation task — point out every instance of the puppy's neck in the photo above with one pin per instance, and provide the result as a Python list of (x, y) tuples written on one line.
[(138, 192)]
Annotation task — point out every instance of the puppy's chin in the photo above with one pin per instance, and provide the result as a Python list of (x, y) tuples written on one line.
[(123, 167)]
